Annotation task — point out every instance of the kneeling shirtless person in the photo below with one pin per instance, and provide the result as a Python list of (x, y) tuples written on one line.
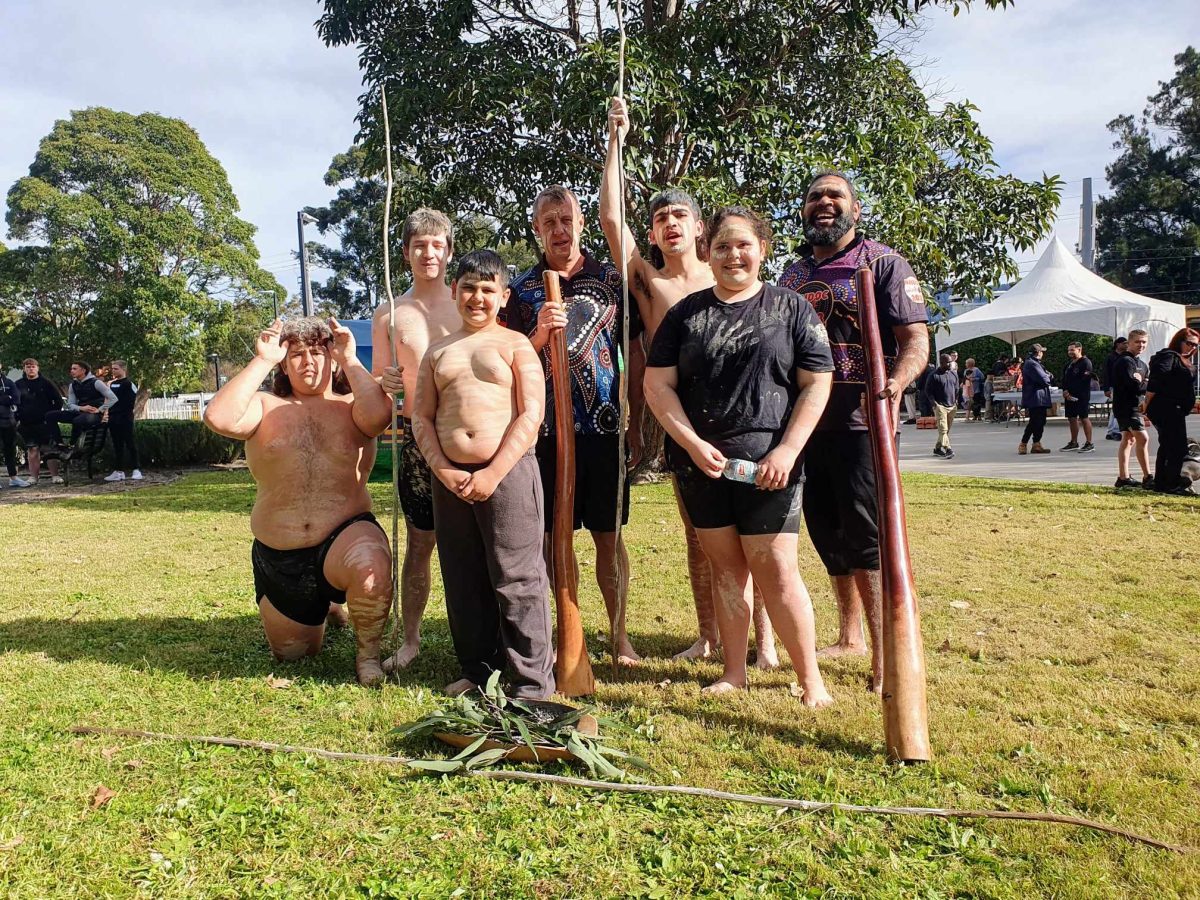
[(310, 445)]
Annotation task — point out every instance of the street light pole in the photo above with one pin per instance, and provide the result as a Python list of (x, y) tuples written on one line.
[(216, 361), (302, 219)]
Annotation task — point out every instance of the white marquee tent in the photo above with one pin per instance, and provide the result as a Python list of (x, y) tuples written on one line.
[(1061, 295)]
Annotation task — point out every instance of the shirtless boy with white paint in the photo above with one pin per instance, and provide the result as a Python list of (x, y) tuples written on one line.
[(479, 404), (676, 269), (310, 445), (425, 313)]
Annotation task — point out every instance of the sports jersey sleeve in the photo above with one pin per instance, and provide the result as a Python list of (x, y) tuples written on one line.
[(664, 351), (898, 294), (518, 313), (810, 340)]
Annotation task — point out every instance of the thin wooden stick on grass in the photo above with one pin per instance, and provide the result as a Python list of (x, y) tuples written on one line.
[(636, 788)]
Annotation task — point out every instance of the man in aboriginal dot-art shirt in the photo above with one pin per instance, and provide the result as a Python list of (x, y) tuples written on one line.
[(839, 504)]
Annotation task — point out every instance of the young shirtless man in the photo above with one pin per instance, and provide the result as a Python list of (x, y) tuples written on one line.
[(480, 401), (424, 314), (310, 445), (676, 236)]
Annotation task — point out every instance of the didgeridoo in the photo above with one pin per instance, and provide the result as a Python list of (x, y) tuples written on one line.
[(905, 716), (573, 669)]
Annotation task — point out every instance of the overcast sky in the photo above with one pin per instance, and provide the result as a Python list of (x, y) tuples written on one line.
[(273, 104)]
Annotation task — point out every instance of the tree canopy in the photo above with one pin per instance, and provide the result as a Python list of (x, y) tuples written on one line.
[(355, 217), (137, 251), (744, 101), (1148, 234)]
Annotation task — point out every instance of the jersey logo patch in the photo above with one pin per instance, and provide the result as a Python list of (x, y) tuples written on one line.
[(912, 288)]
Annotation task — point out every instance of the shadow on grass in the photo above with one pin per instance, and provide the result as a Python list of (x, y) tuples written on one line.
[(204, 649)]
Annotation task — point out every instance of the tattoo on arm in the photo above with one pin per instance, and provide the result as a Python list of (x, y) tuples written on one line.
[(912, 355)]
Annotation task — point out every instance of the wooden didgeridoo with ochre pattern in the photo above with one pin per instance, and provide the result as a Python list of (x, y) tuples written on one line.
[(572, 668), (905, 715)]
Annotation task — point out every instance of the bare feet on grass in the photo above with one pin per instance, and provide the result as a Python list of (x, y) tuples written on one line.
[(812, 695), (402, 658), (370, 672), (702, 649), (460, 687), (833, 651), (717, 688), (766, 658), (626, 655)]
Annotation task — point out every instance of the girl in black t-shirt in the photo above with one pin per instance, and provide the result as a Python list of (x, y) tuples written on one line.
[(742, 371)]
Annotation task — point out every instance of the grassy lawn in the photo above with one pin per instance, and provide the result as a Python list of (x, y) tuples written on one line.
[(1070, 682)]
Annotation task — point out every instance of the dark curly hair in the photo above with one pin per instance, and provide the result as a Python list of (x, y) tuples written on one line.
[(311, 331)]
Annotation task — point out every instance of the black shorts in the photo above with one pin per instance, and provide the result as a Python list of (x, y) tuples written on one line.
[(721, 503), (1077, 409), (839, 502), (416, 483), (596, 475), (35, 434), (1131, 421), (294, 580)]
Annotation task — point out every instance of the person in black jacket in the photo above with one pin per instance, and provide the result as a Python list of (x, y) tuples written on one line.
[(1129, 377), (120, 422), (1170, 396), (39, 396), (10, 399), (1035, 397), (941, 388), (88, 399)]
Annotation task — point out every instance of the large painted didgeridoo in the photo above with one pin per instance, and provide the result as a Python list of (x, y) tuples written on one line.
[(572, 670), (905, 716)]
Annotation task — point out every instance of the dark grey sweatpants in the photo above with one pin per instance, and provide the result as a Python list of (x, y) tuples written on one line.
[(497, 593)]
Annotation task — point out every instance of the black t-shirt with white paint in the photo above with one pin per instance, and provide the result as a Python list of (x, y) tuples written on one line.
[(737, 366)]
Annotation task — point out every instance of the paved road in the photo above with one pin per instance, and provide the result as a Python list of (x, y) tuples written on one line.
[(985, 450)]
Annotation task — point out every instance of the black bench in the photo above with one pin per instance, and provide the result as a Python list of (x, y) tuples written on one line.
[(86, 446)]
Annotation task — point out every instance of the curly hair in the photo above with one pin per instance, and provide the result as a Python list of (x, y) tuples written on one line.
[(311, 331)]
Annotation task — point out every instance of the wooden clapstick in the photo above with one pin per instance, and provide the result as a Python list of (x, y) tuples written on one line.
[(905, 716), (573, 669)]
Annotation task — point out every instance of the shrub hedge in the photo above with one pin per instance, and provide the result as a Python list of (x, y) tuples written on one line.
[(163, 443)]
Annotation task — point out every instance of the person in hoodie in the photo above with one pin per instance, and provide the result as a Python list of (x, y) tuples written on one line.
[(942, 389), (39, 396), (10, 399), (1035, 398), (1170, 396)]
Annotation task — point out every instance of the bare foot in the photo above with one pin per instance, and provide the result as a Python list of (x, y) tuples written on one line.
[(723, 687), (814, 696), (337, 617), (702, 649), (833, 651), (458, 688), (402, 657), (766, 658), (626, 655), (370, 673)]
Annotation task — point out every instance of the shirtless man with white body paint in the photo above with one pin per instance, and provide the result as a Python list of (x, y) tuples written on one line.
[(310, 445), (676, 233), (424, 314)]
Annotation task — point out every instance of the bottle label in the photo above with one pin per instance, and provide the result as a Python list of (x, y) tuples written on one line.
[(743, 470)]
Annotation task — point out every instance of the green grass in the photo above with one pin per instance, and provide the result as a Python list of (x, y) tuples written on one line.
[(1070, 684)]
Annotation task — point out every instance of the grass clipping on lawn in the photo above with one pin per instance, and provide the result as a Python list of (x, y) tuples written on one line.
[(489, 715)]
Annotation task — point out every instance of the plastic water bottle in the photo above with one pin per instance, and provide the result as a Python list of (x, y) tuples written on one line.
[(743, 470)]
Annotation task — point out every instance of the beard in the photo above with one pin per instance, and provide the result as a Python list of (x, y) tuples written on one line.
[(830, 234)]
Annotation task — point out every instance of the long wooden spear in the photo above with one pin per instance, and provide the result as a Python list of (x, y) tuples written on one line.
[(387, 285), (620, 578)]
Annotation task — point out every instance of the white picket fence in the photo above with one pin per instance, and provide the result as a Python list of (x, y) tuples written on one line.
[(181, 406)]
